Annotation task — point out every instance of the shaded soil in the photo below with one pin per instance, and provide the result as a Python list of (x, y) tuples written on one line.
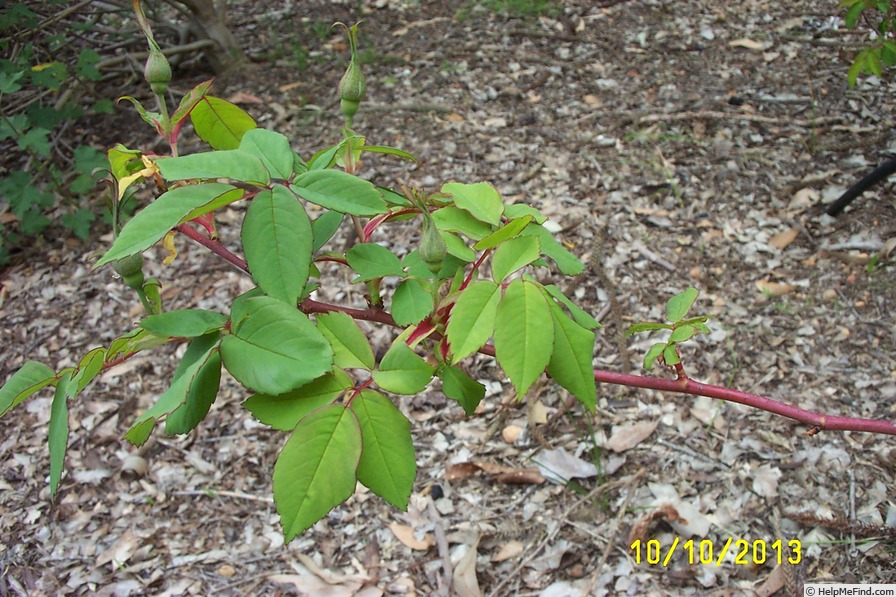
[(673, 144)]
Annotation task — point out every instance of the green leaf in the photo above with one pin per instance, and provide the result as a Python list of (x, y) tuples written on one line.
[(30, 378), (189, 101), (58, 435), (350, 346), (324, 227), (480, 199), (203, 389), (276, 237), (275, 348), (184, 323), (682, 333), (524, 334), (371, 260), (410, 303), (152, 223), (340, 191), (853, 14), (123, 161), (36, 140), (388, 151), (457, 247), (153, 119), (566, 262), (571, 362), (652, 354), (325, 158), (235, 164), (514, 254), (646, 326), (402, 371), (701, 328), (513, 228), (283, 412), (88, 368), (518, 210), (454, 219), (219, 123), (580, 316), (670, 355), (472, 320), (679, 305), (393, 198), (316, 469), (133, 341), (387, 466), (458, 386), (272, 149), (195, 380), (86, 65)]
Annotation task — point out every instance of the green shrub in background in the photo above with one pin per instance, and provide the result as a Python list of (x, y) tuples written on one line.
[(44, 180), (879, 17)]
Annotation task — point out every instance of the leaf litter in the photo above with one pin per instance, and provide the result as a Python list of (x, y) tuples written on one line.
[(672, 148)]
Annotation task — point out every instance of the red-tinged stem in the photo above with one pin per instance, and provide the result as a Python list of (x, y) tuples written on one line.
[(473, 271), (374, 223), (214, 246), (695, 388), (681, 386), (331, 259), (371, 314)]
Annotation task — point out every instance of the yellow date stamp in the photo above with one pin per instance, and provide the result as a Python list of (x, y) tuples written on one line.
[(707, 551)]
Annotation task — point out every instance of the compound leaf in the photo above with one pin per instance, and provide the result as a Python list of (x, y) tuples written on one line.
[(402, 371), (276, 348), (277, 241), (387, 466), (472, 320), (524, 334), (155, 220), (30, 378), (286, 410), (220, 123), (459, 386), (350, 346), (316, 469), (410, 303), (184, 323), (340, 191), (236, 164), (570, 363), (480, 199), (272, 149)]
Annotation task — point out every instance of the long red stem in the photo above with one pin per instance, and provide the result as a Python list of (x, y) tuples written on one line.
[(683, 385)]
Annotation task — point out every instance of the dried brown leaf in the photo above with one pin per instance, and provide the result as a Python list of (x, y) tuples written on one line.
[(642, 526), (405, 534), (627, 437), (783, 239)]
